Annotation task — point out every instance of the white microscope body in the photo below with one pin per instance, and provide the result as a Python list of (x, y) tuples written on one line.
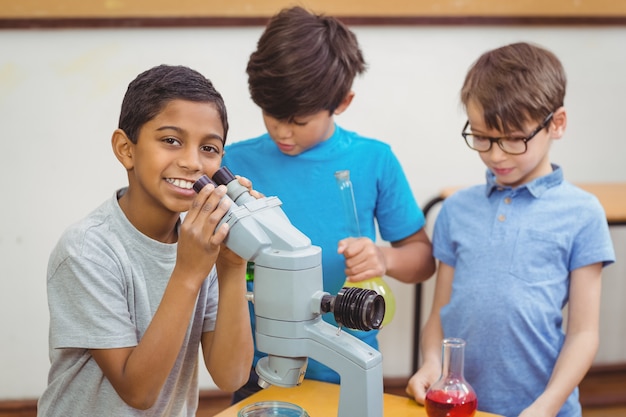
[(289, 300)]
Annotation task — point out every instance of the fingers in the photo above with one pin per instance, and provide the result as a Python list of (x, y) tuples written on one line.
[(207, 210), (256, 194), (219, 235), (363, 259), (207, 200), (248, 184), (420, 395), (356, 247), (211, 213), (199, 200), (409, 391), (416, 389), (343, 245), (244, 181)]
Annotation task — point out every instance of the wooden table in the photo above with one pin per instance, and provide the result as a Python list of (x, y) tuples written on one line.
[(612, 196), (321, 399)]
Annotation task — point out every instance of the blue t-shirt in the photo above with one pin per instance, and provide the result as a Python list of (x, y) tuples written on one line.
[(307, 187), (513, 251)]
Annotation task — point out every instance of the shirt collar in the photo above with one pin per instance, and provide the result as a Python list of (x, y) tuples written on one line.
[(536, 187)]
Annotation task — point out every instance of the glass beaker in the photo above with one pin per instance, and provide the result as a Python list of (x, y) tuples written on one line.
[(451, 395), (377, 284), (272, 409)]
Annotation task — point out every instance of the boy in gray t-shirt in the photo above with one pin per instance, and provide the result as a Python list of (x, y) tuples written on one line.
[(133, 289)]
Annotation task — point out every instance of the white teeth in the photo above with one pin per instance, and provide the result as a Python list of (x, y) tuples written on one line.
[(180, 183)]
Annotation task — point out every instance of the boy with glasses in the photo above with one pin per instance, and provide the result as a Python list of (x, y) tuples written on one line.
[(512, 254)]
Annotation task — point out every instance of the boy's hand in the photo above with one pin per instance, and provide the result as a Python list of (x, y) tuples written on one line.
[(536, 410), (248, 184), (422, 380), (364, 259), (199, 241), (227, 256)]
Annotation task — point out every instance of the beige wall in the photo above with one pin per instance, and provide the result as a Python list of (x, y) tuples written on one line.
[(60, 92)]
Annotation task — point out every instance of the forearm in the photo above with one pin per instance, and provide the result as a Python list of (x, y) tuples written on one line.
[(139, 373), (432, 336), (430, 341), (410, 261), (430, 369), (572, 364), (228, 356), (581, 341)]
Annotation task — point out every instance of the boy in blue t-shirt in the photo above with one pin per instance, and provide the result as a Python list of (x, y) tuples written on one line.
[(301, 76), (512, 254)]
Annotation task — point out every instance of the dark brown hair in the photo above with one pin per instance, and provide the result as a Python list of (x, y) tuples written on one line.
[(149, 93), (304, 63), (515, 84)]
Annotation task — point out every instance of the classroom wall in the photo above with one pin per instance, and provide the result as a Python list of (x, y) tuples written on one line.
[(60, 92)]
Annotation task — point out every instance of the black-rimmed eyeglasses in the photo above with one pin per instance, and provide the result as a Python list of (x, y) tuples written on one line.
[(510, 145)]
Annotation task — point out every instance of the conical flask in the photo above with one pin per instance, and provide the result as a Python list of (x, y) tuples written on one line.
[(377, 284), (451, 395)]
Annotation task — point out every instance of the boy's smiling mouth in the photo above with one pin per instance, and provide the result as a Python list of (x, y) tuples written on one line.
[(187, 185)]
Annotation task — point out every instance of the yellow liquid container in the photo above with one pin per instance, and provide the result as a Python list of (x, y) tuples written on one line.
[(377, 284)]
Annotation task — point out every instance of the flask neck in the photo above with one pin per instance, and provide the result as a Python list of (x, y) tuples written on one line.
[(453, 358), (349, 205)]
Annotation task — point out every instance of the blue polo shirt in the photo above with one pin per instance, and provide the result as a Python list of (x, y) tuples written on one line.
[(310, 197), (513, 250)]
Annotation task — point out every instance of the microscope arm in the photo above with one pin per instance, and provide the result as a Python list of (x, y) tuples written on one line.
[(288, 293)]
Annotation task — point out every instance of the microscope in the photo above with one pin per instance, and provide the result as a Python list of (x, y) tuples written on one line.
[(289, 301)]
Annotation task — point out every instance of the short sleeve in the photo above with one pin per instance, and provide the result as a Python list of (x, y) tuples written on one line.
[(443, 249), (592, 243), (88, 307), (397, 212)]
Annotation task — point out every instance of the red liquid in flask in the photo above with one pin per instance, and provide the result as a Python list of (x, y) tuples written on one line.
[(451, 395), (450, 404)]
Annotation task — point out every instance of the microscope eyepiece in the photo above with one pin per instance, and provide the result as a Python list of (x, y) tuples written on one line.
[(356, 308), (223, 176), (202, 182)]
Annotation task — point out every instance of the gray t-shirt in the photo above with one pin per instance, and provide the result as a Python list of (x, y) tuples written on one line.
[(105, 281)]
